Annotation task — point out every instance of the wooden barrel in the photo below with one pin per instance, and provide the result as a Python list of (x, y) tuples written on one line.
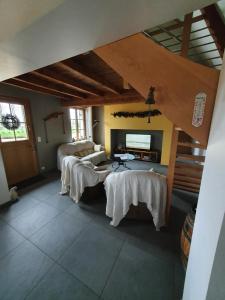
[(186, 236)]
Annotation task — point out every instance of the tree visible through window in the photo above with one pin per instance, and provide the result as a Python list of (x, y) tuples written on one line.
[(12, 135), (77, 119)]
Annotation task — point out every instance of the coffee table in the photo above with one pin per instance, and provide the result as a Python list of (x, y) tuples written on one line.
[(121, 159)]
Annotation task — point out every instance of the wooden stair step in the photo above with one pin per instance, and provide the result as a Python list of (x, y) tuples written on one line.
[(186, 178), (191, 145), (188, 173), (188, 184), (186, 189), (188, 165), (199, 158)]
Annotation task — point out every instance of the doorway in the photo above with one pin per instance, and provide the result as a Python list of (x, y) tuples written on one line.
[(17, 139)]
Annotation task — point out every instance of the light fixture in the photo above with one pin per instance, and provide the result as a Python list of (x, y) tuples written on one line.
[(150, 100)]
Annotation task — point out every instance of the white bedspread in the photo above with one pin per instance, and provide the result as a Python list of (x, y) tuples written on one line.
[(130, 187), (77, 174)]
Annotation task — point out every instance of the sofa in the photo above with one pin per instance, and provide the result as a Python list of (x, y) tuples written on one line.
[(84, 150)]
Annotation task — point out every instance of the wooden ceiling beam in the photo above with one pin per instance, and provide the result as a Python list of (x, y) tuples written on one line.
[(43, 83), (43, 90), (107, 100), (59, 78), (76, 69), (216, 26), (177, 25)]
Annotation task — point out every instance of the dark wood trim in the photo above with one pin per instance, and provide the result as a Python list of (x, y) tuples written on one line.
[(177, 25), (76, 69), (43, 83), (186, 34), (58, 78), (107, 100), (34, 88), (216, 26)]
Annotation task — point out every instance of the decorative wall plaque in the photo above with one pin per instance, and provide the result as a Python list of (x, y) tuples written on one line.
[(199, 109)]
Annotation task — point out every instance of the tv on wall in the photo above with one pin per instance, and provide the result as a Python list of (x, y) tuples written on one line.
[(138, 141)]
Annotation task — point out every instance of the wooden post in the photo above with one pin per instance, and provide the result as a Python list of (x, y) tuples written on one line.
[(171, 168), (186, 34), (175, 135)]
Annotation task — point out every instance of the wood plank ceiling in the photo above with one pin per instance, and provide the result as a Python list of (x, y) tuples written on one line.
[(84, 80)]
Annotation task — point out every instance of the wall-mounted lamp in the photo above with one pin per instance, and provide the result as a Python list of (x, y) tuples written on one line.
[(95, 123), (150, 100)]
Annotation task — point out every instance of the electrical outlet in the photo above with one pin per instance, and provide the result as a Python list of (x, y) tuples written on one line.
[(39, 139), (43, 168)]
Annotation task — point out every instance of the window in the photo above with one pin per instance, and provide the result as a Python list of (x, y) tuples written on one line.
[(77, 119), (12, 135)]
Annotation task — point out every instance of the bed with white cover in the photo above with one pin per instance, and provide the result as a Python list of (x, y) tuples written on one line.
[(77, 175), (134, 186)]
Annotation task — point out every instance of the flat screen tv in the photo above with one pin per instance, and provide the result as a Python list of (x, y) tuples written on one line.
[(138, 141)]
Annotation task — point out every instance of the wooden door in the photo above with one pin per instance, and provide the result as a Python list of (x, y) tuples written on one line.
[(17, 145)]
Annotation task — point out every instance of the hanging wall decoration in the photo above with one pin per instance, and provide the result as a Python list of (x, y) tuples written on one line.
[(139, 114), (54, 115), (10, 121)]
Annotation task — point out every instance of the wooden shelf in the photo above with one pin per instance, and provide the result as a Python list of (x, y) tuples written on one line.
[(154, 156)]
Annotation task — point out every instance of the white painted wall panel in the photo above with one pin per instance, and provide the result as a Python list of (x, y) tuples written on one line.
[(4, 192), (210, 210)]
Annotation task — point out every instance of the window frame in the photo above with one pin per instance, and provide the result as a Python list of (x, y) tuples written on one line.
[(27, 113), (76, 119)]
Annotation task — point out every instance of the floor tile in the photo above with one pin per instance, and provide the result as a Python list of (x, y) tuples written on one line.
[(52, 187), (21, 270), (33, 219), (179, 280), (92, 256), (79, 213), (40, 194), (139, 275), (59, 201), (9, 239), (58, 284), (58, 235), (17, 208)]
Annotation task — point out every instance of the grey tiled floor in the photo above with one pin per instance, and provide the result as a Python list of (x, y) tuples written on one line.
[(51, 248)]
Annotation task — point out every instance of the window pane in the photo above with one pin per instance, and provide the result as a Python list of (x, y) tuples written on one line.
[(72, 113), (81, 124), (81, 134), (6, 135), (73, 124), (4, 109), (21, 132), (80, 114), (18, 110)]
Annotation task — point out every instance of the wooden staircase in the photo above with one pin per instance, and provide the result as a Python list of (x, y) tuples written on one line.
[(185, 166), (177, 81)]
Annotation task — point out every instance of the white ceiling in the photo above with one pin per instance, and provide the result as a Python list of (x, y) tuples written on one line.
[(17, 15), (33, 35)]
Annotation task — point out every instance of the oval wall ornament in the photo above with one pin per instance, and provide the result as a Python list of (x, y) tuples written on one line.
[(199, 109)]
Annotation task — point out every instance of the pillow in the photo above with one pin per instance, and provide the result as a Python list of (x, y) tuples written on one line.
[(97, 148), (90, 151), (79, 154)]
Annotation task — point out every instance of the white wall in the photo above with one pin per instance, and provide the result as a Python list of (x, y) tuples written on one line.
[(4, 192), (205, 260)]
